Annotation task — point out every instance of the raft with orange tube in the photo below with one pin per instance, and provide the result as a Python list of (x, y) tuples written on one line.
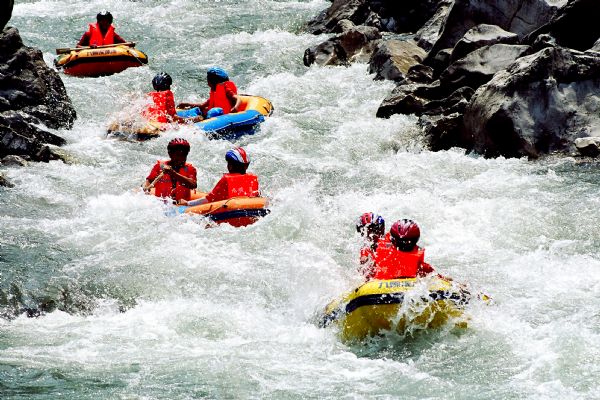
[(99, 61)]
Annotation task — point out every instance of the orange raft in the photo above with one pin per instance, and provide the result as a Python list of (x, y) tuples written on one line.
[(101, 61)]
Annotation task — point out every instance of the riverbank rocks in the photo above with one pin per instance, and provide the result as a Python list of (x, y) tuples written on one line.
[(6, 7), (31, 95), (541, 104), (588, 146), (393, 59), (4, 181), (480, 36)]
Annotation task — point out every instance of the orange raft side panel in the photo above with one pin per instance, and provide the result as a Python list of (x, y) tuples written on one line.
[(237, 211)]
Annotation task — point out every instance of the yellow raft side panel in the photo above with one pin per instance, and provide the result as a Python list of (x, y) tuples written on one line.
[(104, 53), (260, 104)]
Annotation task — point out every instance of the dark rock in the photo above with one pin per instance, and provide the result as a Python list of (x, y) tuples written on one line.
[(392, 59), (518, 16), (588, 146), (596, 46), (4, 181), (356, 43), (420, 73), (6, 7), (429, 33), (575, 25), (442, 132), (353, 10), (479, 66), (480, 36), (440, 62), (13, 160), (541, 104)]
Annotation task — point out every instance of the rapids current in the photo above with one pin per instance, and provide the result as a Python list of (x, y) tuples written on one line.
[(145, 306)]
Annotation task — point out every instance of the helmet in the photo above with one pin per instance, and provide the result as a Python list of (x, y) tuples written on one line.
[(179, 143), (370, 224), (162, 81), (238, 155), (104, 14), (217, 72), (214, 112), (405, 234)]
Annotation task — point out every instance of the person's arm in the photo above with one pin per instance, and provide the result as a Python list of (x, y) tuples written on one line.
[(232, 95), (202, 105), (191, 203), (151, 179), (118, 39), (235, 98), (85, 40), (189, 183)]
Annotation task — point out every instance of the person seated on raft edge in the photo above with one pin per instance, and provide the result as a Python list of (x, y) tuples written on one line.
[(396, 255), (101, 33), (162, 108), (173, 178), (235, 183), (223, 93), (372, 228)]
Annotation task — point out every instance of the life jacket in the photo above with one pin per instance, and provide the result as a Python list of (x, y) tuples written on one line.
[(158, 110), (234, 185), (96, 38), (392, 263), (218, 97), (165, 187)]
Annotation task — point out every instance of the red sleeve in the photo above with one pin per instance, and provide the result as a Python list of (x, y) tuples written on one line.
[(193, 174), (154, 173), (230, 89), (85, 39), (425, 269), (219, 192), (118, 39), (170, 103)]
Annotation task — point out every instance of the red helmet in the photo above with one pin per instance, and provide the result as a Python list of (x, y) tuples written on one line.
[(179, 143), (405, 234)]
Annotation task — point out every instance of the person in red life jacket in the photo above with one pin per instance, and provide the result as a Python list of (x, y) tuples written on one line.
[(173, 178), (397, 254), (223, 93), (162, 107), (372, 228), (101, 33), (236, 183)]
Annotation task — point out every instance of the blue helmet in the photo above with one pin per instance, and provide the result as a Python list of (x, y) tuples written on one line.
[(217, 72)]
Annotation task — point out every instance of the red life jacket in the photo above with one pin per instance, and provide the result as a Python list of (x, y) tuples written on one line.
[(165, 187), (234, 185), (392, 263), (158, 110), (218, 97), (96, 38)]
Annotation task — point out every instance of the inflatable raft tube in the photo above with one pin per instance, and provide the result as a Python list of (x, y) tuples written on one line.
[(237, 211), (90, 62), (388, 305)]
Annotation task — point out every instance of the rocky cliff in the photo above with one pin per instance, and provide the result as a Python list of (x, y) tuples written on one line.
[(504, 77)]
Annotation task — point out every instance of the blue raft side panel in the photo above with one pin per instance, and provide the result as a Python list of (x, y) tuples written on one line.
[(228, 125)]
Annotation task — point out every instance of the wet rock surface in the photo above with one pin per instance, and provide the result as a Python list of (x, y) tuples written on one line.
[(505, 78), (32, 95)]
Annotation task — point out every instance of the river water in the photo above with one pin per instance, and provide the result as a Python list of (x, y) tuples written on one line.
[(146, 306)]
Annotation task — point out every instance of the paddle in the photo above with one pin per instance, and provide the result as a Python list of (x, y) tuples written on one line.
[(67, 50)]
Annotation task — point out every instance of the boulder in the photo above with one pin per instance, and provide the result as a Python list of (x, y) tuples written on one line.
[(13, 160), (588, 146), (354, 44), (575, 25), (4, 181), (353, 10), (518, 16), (541, 104), (420, 73), (393, 59), (480, 36), (429, 33), (6, 7), (442, 132), (479, 66)]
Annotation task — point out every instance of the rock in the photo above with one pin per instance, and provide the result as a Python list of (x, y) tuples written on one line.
[(596, 46), (440, 62), (588, 146), (442, 132), (541, 104), (352, 10), (479, 66), (13, 160), (31, 95), (518, 16), (4, 181), (575, 25), (420, 73), (6, 7), (480, 36), (355, 44), (392, 59), (429, 33)]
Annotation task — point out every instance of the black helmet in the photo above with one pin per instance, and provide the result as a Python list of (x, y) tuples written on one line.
[(104, 14), (162, 81)]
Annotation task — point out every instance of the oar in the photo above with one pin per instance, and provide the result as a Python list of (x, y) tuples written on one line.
[(67, 50)]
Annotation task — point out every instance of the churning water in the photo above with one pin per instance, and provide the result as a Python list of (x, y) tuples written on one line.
[(146, 306)]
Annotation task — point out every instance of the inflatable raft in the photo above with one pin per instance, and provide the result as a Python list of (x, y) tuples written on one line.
[(100, 61), (400, 305), (253, 110)]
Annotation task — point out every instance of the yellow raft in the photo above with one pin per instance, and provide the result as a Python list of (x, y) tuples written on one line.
[(252, 112), (400, 305), (101, 61)]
